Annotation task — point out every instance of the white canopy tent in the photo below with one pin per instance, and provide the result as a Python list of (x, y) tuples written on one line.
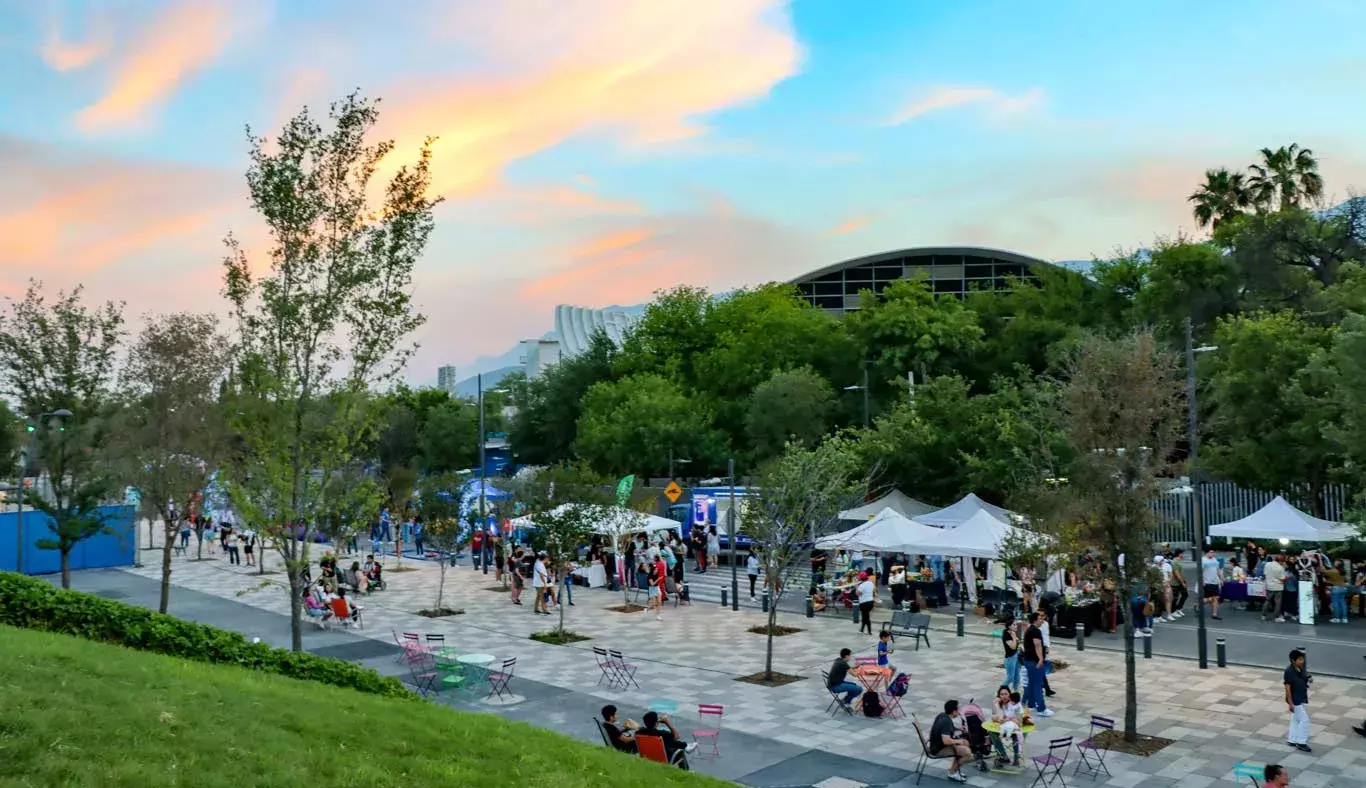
[(963, 510), (896, 500), (980, 536), (1280, 520), (888, 532), (618, 520)]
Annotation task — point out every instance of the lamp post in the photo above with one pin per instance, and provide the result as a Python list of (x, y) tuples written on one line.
[(730, 531), (60, 415), (864, 389), (1197, 515), (680, 461)]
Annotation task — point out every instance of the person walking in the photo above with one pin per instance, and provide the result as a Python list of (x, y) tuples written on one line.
[(1297, 682), (1033, 656), (540, 580), (1211, 577), (752, 570), (417, 537), (867, 596), (713, 546)]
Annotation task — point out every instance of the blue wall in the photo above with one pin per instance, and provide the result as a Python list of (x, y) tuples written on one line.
[(115, 549)]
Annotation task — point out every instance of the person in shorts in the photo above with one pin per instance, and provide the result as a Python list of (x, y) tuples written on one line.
[(1211, 577)]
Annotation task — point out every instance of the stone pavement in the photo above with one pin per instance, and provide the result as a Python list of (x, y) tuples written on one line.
[(1217, 717)]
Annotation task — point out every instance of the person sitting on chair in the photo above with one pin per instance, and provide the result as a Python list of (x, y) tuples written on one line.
[(657, 725), (946, 741), (818, 598), (839, 679), (622, 737)]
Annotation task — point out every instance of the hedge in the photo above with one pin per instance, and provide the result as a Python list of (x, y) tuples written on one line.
[(36, 604)]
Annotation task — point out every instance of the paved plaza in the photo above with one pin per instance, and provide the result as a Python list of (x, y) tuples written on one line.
[(781, 736)]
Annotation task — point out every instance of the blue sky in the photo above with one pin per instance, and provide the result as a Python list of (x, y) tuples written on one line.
[(617, 147)]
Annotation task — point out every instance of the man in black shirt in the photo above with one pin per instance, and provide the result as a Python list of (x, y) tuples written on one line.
[(947, 740), (839, 678), (669, 734), (1297, 701), (1032, 656), (624, 740)]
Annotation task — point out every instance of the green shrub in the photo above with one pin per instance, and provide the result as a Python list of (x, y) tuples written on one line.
[(35, 604)]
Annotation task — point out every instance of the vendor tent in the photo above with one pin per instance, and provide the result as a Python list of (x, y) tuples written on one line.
[(966, 508), (889, 531), (1280, 520), (615, 520), (980, 536), (896, 500)]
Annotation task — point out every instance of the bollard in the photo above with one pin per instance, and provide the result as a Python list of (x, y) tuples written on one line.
[(1081, 638), (960, 625), (764, 602), (1219, 653), (1147, 648), (810, 608), (724, 592)]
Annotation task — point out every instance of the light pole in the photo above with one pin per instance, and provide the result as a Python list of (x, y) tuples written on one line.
[(680, 461), (59, 416), (864, 389), (730, 531), (1197, 515)]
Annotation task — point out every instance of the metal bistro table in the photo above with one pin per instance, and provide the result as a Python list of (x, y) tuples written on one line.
[(477, 668), (993, 729)]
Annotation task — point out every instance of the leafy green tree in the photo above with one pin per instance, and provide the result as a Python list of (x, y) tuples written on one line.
[(329, 319), (790, 406), (1024, 326), (1286, 177), (450, 438), (353, 500), (906, 328), (1284, 259), (1349, 379), (1223, 196), (442, 531), (61, 356), (548, 408), (630, 425), (670, 338), (171, 431), (1119, 283), (1271, 398), (1187, 279)]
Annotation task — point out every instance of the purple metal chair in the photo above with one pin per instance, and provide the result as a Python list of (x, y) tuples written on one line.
[(1049, 765), (1095, 762)]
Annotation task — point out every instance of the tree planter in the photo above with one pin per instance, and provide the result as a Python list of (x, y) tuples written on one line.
[(777, 630), (558, 638), (774, 679), (440, 612), (1145, 746), (627, 608)]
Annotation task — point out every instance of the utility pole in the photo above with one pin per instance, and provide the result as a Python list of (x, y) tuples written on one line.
[(1193, 441), (730, 520), (866, 410), (483, 482)]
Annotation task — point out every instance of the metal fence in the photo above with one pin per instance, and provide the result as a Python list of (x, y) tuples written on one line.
[(1222, 502)]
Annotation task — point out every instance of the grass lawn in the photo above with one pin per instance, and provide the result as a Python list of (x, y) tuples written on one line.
[(78, 713)]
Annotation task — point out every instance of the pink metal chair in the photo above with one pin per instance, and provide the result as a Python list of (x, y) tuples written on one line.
[(423, 670), (705, 710)]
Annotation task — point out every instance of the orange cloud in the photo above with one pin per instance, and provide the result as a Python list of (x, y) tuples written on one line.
[(61, 54), (183, 40), (998, 104), (643, 71), (851, 225)]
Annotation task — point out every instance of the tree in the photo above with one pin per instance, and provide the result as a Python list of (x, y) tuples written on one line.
[(1271, 399), (630, 425), (1223, 196), (671, 337), (170, 429), (1187, 279), (1121, 414), (353, 500), (790, 406), (1349, 367), (329, 319), (442, 531), (61, 356), (450, 437), (1285, 178), (799, 499)]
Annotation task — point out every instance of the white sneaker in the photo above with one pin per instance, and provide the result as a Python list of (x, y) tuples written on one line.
[(1046, 713), (692, 745), (1165, 619), (659, 618)]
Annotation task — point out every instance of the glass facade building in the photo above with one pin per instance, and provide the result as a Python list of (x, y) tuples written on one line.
[(949, 270)]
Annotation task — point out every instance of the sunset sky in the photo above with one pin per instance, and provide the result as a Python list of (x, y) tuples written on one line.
[(594, 151)]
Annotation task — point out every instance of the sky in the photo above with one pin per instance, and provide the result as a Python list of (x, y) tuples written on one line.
[(593, 152)]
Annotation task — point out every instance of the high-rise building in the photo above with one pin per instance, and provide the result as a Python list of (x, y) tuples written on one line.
[(445, 379)]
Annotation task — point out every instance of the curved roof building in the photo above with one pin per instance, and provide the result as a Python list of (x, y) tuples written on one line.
[(576, 325), (948, 269)]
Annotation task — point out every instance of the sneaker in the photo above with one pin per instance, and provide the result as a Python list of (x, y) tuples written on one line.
[(1360, 729), (1280, 620), (1046, 713), (659, 618), (692, 745), (1217, 618), (1304, 748), (958, 777)]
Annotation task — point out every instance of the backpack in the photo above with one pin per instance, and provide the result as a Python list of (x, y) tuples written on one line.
[(872, 704), (899, 685)]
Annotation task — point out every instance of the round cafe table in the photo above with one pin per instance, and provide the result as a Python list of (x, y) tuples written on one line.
[(993, 729), (663, 706), (479, 665)]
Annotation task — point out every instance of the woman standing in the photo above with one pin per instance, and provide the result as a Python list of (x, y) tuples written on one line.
[(867, 597), (1010, 639)]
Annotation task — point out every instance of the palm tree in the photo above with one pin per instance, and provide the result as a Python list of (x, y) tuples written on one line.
[(1284, 177), (1222, 196)]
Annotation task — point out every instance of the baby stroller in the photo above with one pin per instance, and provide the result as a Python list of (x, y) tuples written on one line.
[(978, 741)]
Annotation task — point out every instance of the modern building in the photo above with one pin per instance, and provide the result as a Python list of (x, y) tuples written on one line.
[(538, 355), (446, 379), (576, 325), (953, 270)]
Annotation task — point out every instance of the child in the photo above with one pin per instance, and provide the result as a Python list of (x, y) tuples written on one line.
[(884, 651), (1012, 717)]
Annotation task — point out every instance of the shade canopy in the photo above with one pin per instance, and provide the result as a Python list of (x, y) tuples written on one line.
[(896, 500), (980, 536), (965, 509), (888, 532), (1280, 520), (615, 520)]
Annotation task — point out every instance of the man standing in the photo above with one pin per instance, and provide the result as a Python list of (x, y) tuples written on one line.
[(477, 548), (1211, 576), (1275, 589), (1179, 592), (1033, 656), (1297, 700)]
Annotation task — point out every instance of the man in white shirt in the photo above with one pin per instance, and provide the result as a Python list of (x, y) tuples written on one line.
[(540, 579), (1274, 572), (1165, 567), (1211, 576)]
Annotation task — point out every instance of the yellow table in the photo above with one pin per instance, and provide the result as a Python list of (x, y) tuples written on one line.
[(993, 729)]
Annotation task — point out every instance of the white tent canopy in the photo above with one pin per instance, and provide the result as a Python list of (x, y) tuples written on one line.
[(980, 536), (888, 532), (1280, 520), (896, 500), (965, 509), (618, 520)]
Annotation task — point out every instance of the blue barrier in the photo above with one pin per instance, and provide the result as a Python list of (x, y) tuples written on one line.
[(118, 548)]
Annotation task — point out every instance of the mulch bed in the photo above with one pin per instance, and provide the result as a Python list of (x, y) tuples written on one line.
[(774, 679), (1145, 746), (440, 612), (558, 638), (777, 631), (497, 588), (627, 608)]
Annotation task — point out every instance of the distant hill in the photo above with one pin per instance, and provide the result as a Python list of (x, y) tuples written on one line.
[(469, 387)]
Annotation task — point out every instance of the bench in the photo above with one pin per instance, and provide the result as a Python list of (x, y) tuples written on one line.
[(915, 625)]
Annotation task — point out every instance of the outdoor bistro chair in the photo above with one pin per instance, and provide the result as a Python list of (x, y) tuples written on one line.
[(498, 682), (925, 755), (422, 667), (626, 672), (606, 667), (652, 748), (1095, 763), (705, 710), (836, 702), (1251, 771), (1049, 765)]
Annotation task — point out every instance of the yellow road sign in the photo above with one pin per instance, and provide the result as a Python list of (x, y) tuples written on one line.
[(673, 492)]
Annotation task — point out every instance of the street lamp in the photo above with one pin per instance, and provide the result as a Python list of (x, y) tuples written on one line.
[(1197, 516), (680, 461), (483, 465), (864, 389), (58, 416)]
